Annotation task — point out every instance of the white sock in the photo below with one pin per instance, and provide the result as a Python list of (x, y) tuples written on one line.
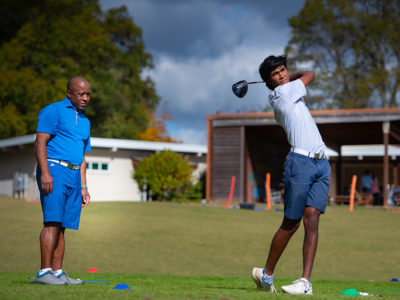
[(267, 277), (42, 271), (57, 272)]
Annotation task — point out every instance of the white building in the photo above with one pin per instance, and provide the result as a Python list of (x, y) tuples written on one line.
[(110, 166)]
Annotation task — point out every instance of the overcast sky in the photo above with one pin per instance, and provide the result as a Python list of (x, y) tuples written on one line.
[(201, 47)]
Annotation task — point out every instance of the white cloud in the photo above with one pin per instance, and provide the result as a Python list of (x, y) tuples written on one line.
[(189, 135), (195, 88)]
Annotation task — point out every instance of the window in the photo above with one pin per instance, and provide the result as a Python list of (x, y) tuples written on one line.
[(97, 166)]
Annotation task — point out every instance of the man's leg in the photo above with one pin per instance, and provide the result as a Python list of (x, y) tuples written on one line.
[(311, 221), (303, 285), (49, 238), (279, 243), (58, 256), (264, 277), (48, 241)]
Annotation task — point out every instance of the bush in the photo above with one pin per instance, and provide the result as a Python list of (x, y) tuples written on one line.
[(167, 175), (189, 192)]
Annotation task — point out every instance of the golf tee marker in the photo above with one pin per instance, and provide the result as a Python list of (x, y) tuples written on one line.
[(352, 191)]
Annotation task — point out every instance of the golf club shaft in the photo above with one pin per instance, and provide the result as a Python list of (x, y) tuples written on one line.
[(255, 82)]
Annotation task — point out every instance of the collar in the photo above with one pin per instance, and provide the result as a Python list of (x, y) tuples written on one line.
[(68, 103)]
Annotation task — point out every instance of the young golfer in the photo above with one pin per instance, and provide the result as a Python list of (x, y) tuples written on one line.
[(306, 173)]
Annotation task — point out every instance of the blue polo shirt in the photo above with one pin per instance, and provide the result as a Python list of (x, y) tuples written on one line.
[(69, 130)]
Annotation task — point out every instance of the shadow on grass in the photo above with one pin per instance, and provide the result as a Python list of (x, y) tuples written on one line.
[(229, 288)]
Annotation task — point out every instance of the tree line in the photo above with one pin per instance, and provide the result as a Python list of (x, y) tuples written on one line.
[(354, 49), (352, 46), (45, 42)]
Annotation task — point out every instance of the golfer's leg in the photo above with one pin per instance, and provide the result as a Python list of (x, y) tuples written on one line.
[(58, 256), (48, 241), (311, 221), (279, 243)]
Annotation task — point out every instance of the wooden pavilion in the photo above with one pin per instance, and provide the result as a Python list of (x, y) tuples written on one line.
[(250, 145)]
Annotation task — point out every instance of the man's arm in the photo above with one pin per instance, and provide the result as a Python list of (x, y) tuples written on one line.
[(305, 76), (85, 193), (41, 156)]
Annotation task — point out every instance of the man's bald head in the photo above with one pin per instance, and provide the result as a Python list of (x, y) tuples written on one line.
[(78, 92), (75, 79)]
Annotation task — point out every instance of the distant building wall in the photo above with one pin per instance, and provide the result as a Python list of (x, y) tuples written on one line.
[(115, 182), (14, 161), (109, 172), (226, 162)]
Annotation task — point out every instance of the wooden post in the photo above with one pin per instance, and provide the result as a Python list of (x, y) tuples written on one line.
[(268, 190), (395, 179), (385, 131), (209, 169), (242, 175), (352, 191)]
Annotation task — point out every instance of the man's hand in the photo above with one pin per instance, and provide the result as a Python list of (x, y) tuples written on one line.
[(85, 197), (47, 183)]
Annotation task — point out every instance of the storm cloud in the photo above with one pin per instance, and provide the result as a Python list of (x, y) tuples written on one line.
[(201, 47)]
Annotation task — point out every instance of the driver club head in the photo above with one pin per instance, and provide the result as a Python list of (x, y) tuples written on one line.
[(240, 88)]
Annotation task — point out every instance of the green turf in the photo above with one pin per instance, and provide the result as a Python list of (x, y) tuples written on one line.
[(18, 286), (174, 244)]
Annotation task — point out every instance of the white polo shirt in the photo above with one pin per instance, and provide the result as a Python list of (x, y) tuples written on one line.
[(291, 112)]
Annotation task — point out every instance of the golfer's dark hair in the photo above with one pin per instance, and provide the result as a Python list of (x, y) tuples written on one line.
[(268, 65)]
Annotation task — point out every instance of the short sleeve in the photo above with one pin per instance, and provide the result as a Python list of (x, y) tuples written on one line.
[(87, 145), (292, 91), (48, 120)]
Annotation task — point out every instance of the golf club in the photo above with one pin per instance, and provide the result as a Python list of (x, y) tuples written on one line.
[(240, 87)]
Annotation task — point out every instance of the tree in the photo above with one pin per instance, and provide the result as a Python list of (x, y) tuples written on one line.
[(50, 41), (354, 48), (166, 174), (156, 130)]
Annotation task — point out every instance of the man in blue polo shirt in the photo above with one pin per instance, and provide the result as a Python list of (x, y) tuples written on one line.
[(306, 173), (62, 138)]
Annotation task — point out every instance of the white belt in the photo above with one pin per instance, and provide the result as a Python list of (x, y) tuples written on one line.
[(307, 153), (65, 164)]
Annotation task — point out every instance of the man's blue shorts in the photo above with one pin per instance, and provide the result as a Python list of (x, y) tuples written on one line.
[(306, 184), (64, 204)]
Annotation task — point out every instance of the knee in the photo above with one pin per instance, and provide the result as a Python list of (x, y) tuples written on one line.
[(52, 224), (290, 226), (51, 228), (311, 222)]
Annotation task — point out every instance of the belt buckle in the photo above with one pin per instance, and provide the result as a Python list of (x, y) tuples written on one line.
[(70, 166), (316, 156)]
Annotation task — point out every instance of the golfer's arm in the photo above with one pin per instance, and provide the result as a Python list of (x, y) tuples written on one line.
[(41, 151), (83, 172), (305, 76)]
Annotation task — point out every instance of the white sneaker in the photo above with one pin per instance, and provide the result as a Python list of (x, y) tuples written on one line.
[(299, 287), (262, 281)]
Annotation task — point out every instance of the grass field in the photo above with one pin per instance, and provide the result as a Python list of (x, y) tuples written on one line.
[(176, 251)]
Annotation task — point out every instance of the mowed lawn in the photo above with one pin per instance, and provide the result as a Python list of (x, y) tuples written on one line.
[(176, 246)]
